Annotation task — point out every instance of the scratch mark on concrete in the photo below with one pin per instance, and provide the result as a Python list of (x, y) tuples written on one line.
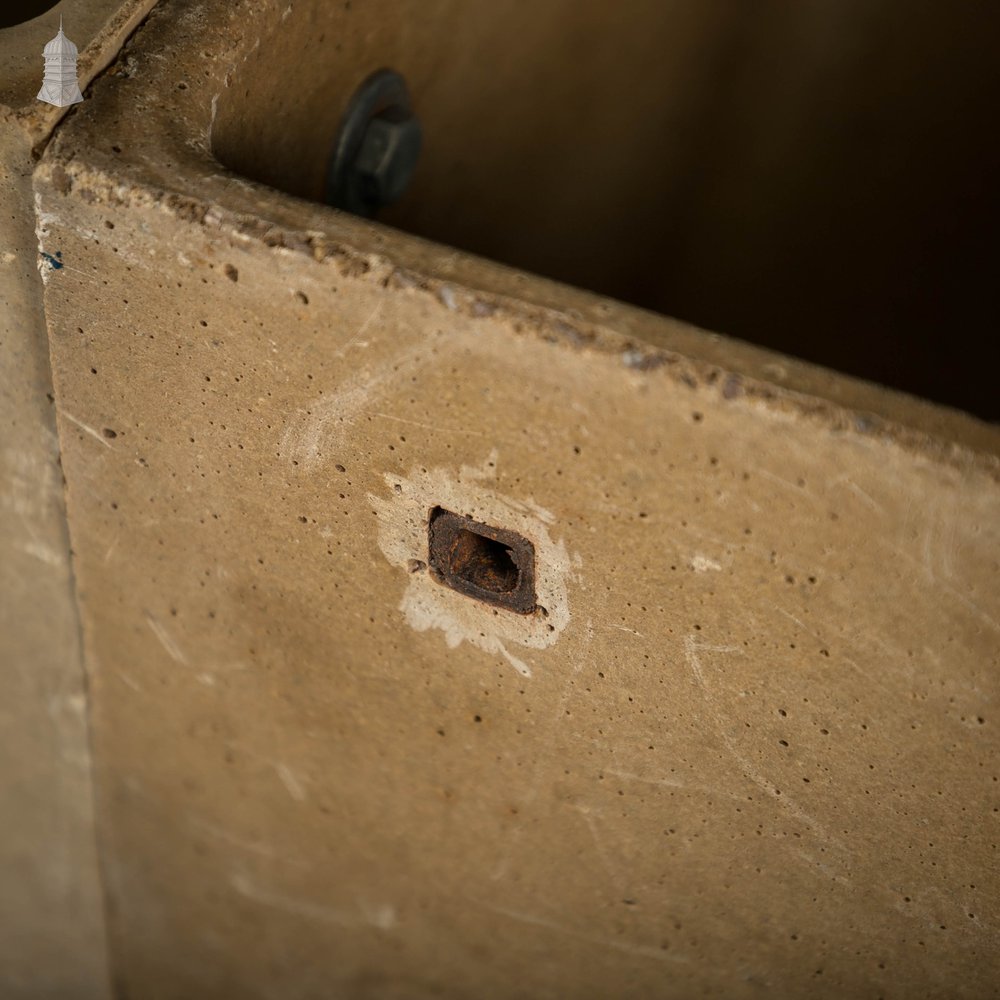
[(786, 483), (816, 865), (661, 782), (949, 541), (927, 552), (360, 332), (330, 416), (87, 429), (519, 665), (41, 552), (129, 682), (76, 270), (291, 782), (244, 845), (802, 625), (166, 640), (691, 652), (605, 857), (382, 916), (644, 951), (542, 759), (870, 677), (623, 628), (844, 480), (438, 429), (943, 585), (932, 916)]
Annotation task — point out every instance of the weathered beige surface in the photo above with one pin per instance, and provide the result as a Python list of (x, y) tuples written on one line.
[(52, 941), (756, 749)]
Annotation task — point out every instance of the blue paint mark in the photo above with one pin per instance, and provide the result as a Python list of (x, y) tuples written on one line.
[(56, 264)]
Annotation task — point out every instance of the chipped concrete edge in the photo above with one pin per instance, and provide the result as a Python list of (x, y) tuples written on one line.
[(558, 327)]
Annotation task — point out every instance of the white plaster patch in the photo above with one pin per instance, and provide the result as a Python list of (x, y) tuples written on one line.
[(702, 564), (426, 604)]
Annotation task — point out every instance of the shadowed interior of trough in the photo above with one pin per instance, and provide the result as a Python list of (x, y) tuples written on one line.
[(816, 178)]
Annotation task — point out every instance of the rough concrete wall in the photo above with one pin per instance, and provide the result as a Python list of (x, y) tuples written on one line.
[(52, 940), (748, 745)]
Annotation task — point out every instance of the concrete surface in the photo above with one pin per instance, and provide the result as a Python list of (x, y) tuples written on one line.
[(750, 743), (52, 941)]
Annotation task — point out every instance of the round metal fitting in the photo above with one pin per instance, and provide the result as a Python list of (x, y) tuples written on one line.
[(377, 147)]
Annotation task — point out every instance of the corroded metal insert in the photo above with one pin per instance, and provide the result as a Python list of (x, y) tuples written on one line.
[(490, 564)]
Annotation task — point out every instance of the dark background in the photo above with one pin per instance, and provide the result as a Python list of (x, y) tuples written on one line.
[(17, 11)]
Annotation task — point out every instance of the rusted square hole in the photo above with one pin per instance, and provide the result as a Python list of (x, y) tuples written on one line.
[(490, 564)]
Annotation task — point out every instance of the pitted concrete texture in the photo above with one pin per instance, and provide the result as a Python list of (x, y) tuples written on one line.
[(52, 941), (752, 745)]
